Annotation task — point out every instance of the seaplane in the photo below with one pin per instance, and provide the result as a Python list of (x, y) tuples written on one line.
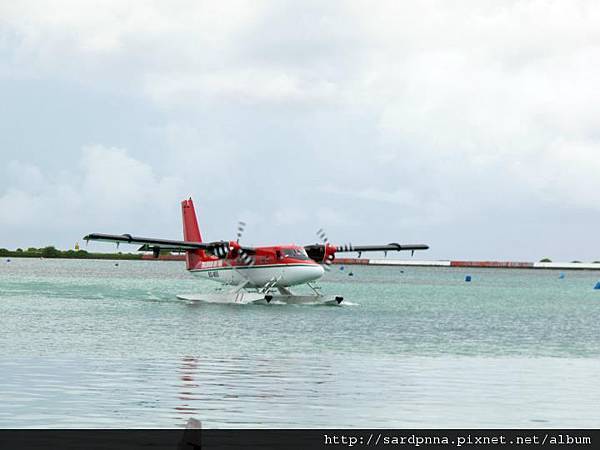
[(252, 275)]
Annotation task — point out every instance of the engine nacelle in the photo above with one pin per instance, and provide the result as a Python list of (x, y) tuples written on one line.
[(225, 249), (321, 253)]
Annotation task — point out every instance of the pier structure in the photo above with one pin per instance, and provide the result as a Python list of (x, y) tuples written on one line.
[(481, 264)]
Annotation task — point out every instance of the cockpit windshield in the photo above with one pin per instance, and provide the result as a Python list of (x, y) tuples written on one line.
[(296, 253)]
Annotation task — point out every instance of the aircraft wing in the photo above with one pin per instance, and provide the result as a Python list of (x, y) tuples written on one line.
[(380, 248), (326, 252), (219, 248), (149, 242)]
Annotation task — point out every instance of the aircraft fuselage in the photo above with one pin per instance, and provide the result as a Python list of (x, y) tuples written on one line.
[(280, 265)]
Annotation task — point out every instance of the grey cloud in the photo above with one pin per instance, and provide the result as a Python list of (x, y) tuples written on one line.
[(473, 126)]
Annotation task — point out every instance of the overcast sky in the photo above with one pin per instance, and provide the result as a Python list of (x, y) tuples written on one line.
[(472, 126)]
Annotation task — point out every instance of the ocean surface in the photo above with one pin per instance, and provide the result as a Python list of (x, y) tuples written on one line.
[(93, 344)]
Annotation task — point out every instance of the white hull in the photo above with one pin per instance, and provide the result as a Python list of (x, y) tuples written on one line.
[(258, 276)]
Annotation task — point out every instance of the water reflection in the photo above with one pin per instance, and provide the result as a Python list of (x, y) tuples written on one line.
[(189, 387), (296, 391)]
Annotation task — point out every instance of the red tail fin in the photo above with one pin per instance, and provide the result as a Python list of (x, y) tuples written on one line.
[(191, 232)]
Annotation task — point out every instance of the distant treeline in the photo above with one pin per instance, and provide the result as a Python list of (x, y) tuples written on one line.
[(52, 252)]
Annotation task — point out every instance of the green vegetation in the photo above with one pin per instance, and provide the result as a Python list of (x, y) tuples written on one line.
[(545, 260), (52, 252)]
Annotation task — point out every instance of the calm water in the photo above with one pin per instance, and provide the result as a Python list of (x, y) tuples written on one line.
[(91, 344)]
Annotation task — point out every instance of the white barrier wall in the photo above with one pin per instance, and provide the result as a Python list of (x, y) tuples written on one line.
[(538, 265), (408, 262), (562, 265)]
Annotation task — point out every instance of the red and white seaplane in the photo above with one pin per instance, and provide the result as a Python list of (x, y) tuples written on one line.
[(256, 274)]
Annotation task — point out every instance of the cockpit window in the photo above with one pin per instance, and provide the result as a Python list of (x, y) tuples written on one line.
[(295, 253)]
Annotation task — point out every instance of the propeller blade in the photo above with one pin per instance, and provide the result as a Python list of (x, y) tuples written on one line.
[(246, 258), (240, 230), (322, 235), (222, 250)]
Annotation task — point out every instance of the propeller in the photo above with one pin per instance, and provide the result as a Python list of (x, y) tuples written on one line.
[(246, 258), (240, 230), (327, 258), (322, 235), (222, 249)]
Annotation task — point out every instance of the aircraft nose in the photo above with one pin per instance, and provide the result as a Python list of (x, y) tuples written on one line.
[(315, 272)]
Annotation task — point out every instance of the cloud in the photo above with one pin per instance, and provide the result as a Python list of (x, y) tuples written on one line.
[(108, 187), (21, 175), (288, 216), (418, 113), (249, 86), (569, 174)]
